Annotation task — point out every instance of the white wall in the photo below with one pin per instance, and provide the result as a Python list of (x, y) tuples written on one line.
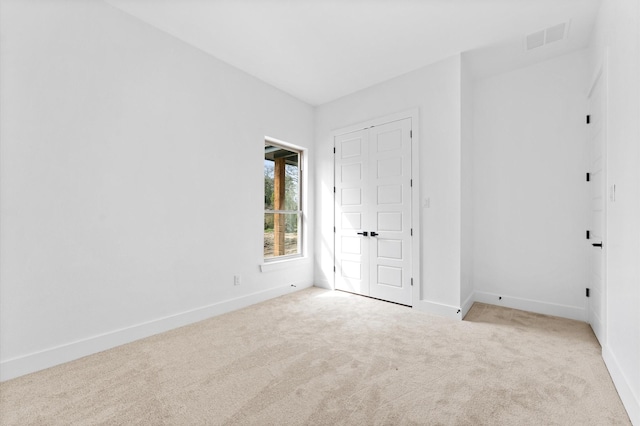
[(131, 182), (435, 90), (529, 191), (467, 167), (617, 37)]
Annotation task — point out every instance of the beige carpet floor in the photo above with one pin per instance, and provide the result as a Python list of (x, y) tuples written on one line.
[(318, 357)]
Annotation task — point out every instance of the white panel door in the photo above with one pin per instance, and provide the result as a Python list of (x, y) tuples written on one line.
[(597, 191), (373, 212), (351, 249), (390, 213)]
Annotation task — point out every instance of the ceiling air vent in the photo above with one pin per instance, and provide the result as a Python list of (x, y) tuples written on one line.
[(548, 35), (535, 40), (555, 33)]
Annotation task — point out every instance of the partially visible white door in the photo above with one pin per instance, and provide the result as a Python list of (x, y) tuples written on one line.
[(597, 191), (373, 212), (390, 177), (351, 249)]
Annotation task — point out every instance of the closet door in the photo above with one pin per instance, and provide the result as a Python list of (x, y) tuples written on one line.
[(390, 212), (596, 306), (373, 212), (351, 246)]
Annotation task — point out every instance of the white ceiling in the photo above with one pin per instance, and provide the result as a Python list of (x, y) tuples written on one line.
[(320, 50)]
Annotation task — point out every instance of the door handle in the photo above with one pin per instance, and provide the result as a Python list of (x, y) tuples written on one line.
[(373, 233), (364, 234), (597, 244)]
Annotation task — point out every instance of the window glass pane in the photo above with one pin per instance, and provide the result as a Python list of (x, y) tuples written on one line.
[(281, 178), (291, 186), (268, 235), (286, 240), (268, 184)]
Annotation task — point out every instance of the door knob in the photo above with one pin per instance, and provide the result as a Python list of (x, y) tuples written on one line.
[(364, 234), (597, 244), (373, 233)]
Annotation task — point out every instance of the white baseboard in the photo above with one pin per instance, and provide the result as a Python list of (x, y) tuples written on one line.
[(564, 311), (630, 401), (440, 309), (33, 362), (467, 304)]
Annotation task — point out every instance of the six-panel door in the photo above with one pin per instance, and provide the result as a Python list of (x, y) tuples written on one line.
[(351, 249)]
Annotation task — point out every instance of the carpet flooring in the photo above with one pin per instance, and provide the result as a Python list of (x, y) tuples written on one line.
[(318, 357)]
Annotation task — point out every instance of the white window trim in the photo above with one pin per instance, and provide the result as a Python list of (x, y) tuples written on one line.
[(280, 263)]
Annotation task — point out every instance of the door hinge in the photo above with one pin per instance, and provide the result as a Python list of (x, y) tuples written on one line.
[(411, 133), (588, 234), (412, 232), (588, 119), (334, 149), (411, 282), (334, 229), (334, 268), (587, 293), (334, 189), (588, 177), (411, 183)]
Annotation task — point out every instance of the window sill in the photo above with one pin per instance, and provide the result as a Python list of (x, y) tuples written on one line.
[(283, 264)]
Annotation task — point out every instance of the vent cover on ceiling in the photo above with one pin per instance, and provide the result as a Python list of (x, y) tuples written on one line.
[(548, 35)]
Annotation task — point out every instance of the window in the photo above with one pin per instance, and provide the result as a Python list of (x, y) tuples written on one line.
[(282, 202)]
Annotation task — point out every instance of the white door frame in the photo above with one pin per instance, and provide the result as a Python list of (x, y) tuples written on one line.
[(414, 115)]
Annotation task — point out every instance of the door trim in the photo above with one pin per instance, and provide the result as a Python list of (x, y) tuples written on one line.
[(416, 256)]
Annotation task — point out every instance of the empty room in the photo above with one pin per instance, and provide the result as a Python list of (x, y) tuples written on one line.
[(320, 212)]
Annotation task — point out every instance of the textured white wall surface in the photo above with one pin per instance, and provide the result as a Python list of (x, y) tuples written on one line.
[(132, 181), (529, 190)]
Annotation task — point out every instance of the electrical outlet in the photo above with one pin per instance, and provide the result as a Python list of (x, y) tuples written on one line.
[(236, 280)]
